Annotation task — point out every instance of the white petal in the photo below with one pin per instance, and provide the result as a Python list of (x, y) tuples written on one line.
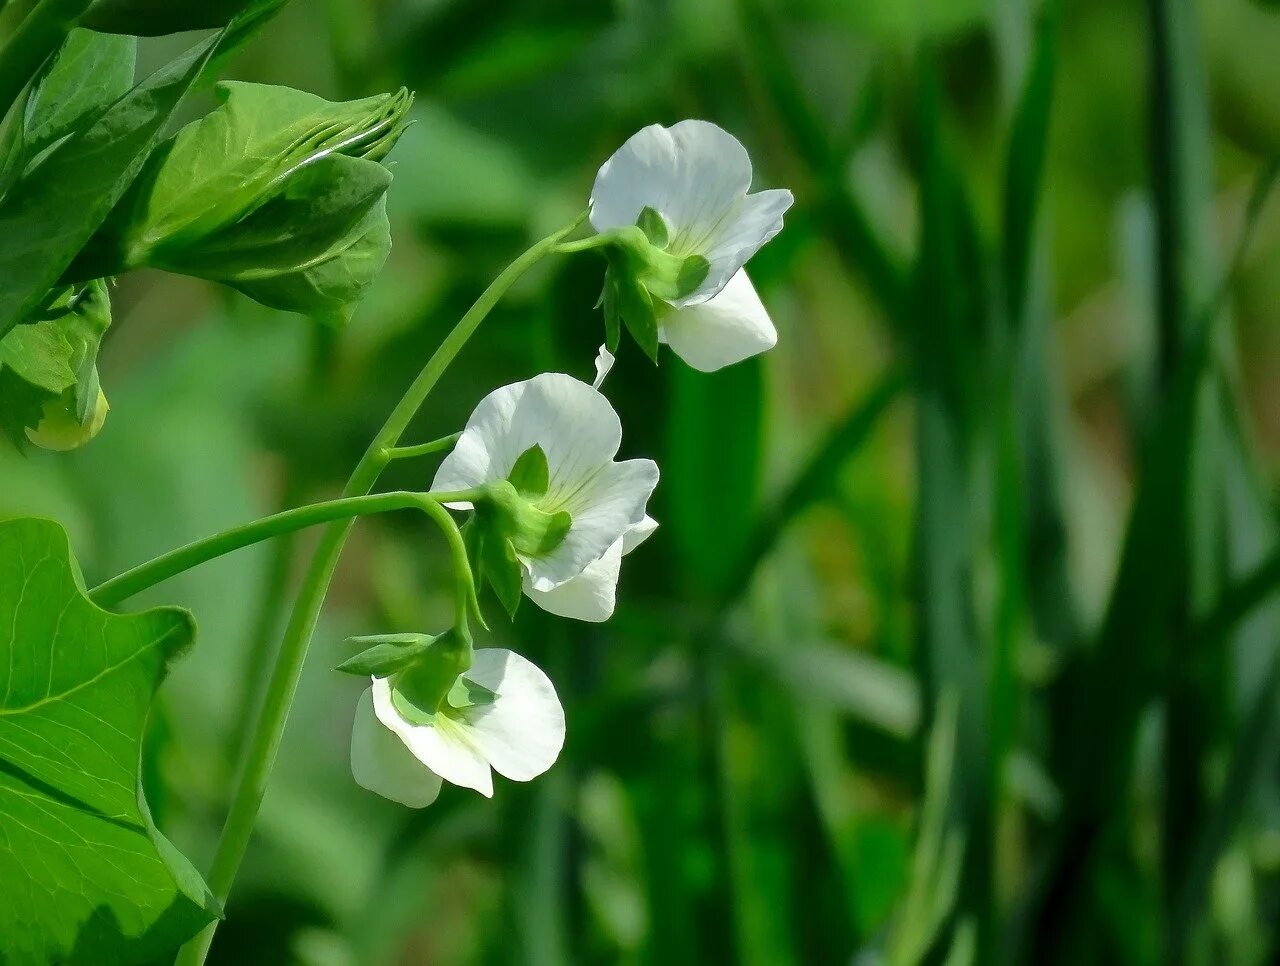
[(638, 534), (693, 173), (731, 327), (442, 746), (754, 222), (591, 596), (603, 509), (604, 365), (574, 424), (381, 763), (522, 731)]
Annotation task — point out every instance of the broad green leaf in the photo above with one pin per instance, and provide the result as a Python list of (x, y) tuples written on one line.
[(87, 877), (91, 72), (49, 215), (153, 18), (40, 354)]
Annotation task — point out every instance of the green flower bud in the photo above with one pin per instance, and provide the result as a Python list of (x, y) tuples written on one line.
[(277, 192), (61, 430)]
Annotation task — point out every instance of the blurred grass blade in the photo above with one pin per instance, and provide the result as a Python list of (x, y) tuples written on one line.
[(1024, 165), (865, 253), (816, 478), (940, 845)]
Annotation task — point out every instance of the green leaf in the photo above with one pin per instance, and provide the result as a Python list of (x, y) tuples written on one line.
[(50, 214), (654, 227), (531, 476), (39, 354), (252, 150), (153, 18), (331, 288), (88, 878), (389, 653), (88, 74)]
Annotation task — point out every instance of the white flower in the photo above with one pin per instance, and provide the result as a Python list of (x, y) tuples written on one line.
[(580, 434), (404, 755), (697, 177), (592, 595)]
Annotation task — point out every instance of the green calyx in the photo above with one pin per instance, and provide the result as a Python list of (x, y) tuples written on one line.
[(511, 522), (643, 277), (432, 681)]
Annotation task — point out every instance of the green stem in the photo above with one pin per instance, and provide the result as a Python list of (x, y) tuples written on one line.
[(422, 449), (269, 728), (585, 244), (162, 568), (36, 38)]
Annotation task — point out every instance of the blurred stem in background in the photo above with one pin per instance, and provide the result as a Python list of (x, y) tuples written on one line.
[(274, 591)]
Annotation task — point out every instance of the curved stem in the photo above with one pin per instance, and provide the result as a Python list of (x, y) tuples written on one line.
[(179, 561), (269, 728), (422, 449), (37, 37), (162, 568)]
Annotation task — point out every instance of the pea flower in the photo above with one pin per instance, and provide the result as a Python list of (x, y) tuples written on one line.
[(596, 504), (502, 714), (686, 187)]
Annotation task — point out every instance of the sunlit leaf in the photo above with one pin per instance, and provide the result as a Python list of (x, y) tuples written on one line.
[(88, 878)]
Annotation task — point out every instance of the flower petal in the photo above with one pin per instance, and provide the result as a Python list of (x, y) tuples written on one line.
[(638, 534), (522, 731), (441, 746), (754, 222), (694, 173), (591, 596), (604, 365), (574, 424), (381, 763), (603, 509), (731, 327)]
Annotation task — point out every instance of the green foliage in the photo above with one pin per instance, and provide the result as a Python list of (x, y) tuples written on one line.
[(50, 213), (150, 18), (277, 192), (88, 877), (53, 364)]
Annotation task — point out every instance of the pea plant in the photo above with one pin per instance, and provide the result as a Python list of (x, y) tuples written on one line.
[(281, 195)]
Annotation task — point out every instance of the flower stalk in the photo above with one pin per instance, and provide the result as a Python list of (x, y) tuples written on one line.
[(268, 731)]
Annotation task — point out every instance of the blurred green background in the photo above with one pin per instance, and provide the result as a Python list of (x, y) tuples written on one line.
[(957, 641)]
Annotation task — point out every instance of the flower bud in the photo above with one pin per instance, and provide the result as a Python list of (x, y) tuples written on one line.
[(61, 430), (277, 192)]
